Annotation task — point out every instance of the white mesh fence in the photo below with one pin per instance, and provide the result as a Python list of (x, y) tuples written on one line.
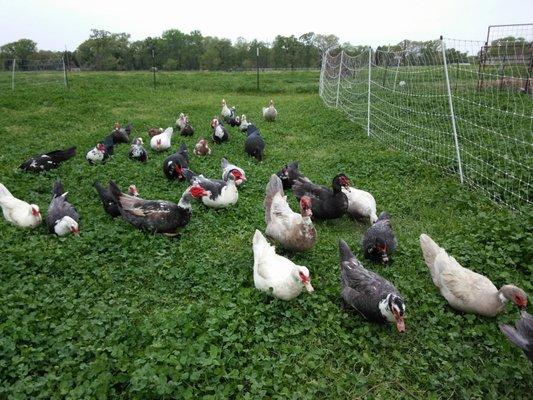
[(23, 73), (463, 106)]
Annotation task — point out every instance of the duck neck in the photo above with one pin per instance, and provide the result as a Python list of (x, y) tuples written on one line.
[(185, 201), (385, 309)]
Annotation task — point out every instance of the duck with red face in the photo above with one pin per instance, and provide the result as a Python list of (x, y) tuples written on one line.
[(98, 154), (174, 165), (379, 241), (239, 175), (372, 296)]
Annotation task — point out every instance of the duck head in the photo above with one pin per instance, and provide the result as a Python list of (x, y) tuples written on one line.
[(393, 310), (66, 225), (238, 176), (138, 141), (132, 191), (302, 275), (214, 122), (179, 171), (340, 181), (305, 206), (514, 294), (198, 192), (379, 250), (100, 147), (35, 212)]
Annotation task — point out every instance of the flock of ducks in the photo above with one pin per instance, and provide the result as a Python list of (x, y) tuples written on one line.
[(363, 290)]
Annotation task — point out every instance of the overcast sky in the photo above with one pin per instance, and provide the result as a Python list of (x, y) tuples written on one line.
[(54, 24)]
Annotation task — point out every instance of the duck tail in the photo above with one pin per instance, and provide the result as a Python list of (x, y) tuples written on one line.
[(274, 186)]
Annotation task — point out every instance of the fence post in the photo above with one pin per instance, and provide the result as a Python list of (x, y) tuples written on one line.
[(64, 71), (339, 80), (452, 114), (13, 74), (369, 80)]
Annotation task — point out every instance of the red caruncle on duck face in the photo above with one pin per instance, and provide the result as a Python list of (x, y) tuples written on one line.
[(239, 177), (198, 192), (305, 206)]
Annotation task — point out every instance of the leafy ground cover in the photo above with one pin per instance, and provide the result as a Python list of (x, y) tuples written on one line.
[(117, 313)]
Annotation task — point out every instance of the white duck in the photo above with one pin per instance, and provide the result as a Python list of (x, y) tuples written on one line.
[(270, 113), (244, 123), (225, 112), (181, 121), (222, 193), (361, 204), (275, 274), (294, 231), (161, 142), (19, 212), (97, 154), (466, 290)]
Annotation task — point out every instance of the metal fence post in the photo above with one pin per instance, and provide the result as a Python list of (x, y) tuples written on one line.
[(64, 71), (339, 80), (452, 114), (369, 81), (13, 74)]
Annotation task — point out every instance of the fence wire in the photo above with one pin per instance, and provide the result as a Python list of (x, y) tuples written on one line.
[(471, 115)]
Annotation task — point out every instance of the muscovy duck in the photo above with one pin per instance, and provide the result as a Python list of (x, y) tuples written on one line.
[(121, 135), (233, 120), (289, 173), (187, 130), (270, 113), (137, 151), (225, 112), (202, 148), (325, 203), (62, 218), (361, 204), (47, 161), (522, 335), (243, 127), (181, 121), (17, 211), (294, 231), (174, 165), (97, 155), (156, 216), (222, 194), (108, 201), (154, 131), (466, 290), (374, 297), (228, 168), (254, 144), (162, 141), (379, 241), (220, 133), (275, 274)]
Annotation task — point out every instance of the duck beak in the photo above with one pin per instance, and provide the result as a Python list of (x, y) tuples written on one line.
[(309, 287), (400, 324)]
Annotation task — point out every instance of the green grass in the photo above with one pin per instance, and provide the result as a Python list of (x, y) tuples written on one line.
[(123, 314)]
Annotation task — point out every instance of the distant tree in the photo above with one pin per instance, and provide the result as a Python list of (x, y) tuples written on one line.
[(324, 42), (21, 49)]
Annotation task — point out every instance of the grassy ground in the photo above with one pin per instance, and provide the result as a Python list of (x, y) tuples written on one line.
[(119, 313)]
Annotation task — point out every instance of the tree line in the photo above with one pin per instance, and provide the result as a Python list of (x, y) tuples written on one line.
[(176, 50)]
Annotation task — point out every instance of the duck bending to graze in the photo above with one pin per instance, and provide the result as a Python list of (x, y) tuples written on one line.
[(466, 290), (174, 165), (374, 297), (62, 218), (275, 274), (294, 231), (379, 241), (17, 211)]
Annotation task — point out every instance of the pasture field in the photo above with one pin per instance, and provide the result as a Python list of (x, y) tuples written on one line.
[(118, 313)]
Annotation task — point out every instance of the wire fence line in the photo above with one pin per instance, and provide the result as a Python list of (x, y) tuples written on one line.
[(463, 106)]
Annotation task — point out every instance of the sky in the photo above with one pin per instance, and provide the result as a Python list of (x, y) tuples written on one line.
[(56, 24)]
